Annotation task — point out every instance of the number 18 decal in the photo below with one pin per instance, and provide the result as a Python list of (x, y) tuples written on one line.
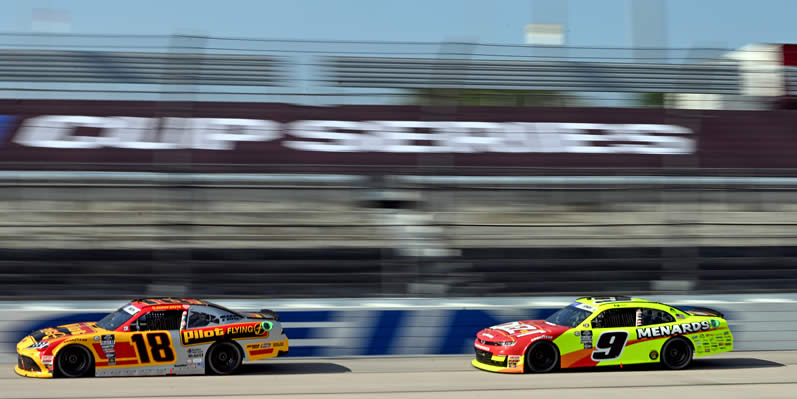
[(160, 347), (610, 345)]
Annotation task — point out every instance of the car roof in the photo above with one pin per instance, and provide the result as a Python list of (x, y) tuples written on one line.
[(146, 302), (604, 301)]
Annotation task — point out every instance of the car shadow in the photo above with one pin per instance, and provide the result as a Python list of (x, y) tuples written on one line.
[(292, 368), (734, 363), (697, 364)]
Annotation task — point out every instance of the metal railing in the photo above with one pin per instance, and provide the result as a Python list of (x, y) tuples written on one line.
[(346, 72)]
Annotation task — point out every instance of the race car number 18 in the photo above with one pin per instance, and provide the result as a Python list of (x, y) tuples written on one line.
[(610, 345), (159, 347)]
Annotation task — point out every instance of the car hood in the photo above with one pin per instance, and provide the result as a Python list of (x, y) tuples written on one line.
[(67, 330), (518, 330)]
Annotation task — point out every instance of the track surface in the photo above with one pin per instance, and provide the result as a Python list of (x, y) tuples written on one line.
[(730, 375)]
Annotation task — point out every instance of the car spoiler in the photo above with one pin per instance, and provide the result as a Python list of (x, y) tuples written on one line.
[(270, 314), (705, 312)]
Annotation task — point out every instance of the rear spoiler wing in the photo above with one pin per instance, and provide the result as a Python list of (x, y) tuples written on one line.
[(705, 312)]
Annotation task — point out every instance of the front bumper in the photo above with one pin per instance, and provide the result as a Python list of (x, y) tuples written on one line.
[(28, 367), (499, 363)]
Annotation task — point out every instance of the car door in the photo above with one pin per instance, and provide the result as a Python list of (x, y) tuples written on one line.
[(612, 329), (652, 331), (156, 338)]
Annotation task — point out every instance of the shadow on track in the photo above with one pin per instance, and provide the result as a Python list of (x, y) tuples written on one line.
[(293, 368), (697, 364), (733, 363)]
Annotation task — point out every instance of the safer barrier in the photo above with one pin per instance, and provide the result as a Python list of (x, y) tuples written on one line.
[(343, 327)]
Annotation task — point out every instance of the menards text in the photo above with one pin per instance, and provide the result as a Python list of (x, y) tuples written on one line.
[(663, 331)]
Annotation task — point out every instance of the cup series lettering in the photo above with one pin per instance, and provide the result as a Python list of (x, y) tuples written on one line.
[(663, 331)]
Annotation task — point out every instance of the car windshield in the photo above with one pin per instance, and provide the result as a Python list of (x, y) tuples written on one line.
[(113, 320), (569, 316)]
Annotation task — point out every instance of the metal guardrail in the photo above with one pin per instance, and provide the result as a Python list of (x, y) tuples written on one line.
[(238, 179), (531, 75)]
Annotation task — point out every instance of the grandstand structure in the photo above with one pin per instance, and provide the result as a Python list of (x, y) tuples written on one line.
[(333, 72)]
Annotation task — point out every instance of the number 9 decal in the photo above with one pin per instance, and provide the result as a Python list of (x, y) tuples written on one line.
[(610, 345)]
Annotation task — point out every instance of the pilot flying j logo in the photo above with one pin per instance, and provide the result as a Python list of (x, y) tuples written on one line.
[(664, 331), (211, 334)]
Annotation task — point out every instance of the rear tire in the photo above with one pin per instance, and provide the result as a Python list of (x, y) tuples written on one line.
[(74, 361), (676, 354), (542, 357), (224, 358)]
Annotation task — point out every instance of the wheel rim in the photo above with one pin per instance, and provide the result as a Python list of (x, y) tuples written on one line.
[(542, 358), (73, 362), (677, 353), (224, 359)]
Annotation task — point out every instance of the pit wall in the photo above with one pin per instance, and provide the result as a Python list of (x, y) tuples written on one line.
[(379, 327)]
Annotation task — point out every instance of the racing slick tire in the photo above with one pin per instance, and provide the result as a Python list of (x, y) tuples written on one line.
[(74, 361), (224, 358), (676, 354), (542, 357)]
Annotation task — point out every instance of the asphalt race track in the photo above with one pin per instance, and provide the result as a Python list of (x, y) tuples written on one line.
[(729, 375)]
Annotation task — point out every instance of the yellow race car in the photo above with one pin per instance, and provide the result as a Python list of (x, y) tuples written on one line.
[(604, 331), (156, 336)]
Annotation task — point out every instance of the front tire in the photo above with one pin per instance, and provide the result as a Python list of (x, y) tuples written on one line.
[(676, 354), (74, 361), (224, 358), (542, 357)]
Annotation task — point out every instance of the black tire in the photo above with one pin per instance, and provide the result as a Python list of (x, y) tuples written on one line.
[(74, 361), (223, 358), (676, 354), (542, 357)]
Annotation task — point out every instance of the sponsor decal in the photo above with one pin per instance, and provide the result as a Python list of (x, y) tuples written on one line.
[(211, 334), (513, 361), (47, 359), (169, 307), (68, 131), (252, 346), (676, 329), (96, 337), (577, 333), (131, 309), (516, 327), (585, 325), (488, 335), (108, 344), (584, 306), (654, 355), (40, 345), (482, 347), (196, 357), (587, 345)]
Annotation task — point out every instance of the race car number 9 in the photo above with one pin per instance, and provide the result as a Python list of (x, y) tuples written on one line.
[(610, 345)]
